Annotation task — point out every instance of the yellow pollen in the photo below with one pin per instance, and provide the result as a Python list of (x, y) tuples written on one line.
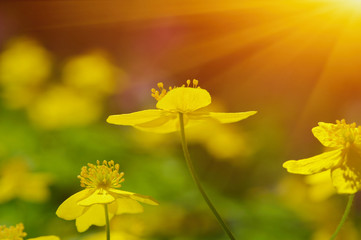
[(12, 233), (101, 176), (158, 95)]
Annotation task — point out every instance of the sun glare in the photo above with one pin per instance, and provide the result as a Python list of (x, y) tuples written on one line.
[(350, 4)]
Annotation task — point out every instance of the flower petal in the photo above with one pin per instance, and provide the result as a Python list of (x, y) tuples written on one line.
[(346, 180), (69, 209), (184, 99), (166, 124), (170, 123), (131, 119), (98, 197), (315, 164), (128, 205), (144, 199), (120, 192), (141, 198), (327, 135), (51, 237), (93, 216), (347, 177), (231, 117)]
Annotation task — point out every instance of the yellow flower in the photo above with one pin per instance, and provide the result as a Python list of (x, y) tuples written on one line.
[(320, 186), (101, 182), (92, 73), (62, 106), (170, 222), (16, 181), (343, 157), (229, 144), (12, 233), (17, 233), (323, 216), (24, 68), (185, 99), (116, 235)]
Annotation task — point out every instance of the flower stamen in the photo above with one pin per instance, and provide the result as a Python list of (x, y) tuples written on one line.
[(12, 233), (195, 83), (101, 176), (158, 95)]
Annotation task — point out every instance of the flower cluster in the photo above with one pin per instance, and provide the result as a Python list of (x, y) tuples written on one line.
[(338, 169), (72, 95)]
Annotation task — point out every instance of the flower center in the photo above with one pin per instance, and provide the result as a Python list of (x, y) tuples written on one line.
[(12, 233), (101, 176), (344, 133), (158, 95)]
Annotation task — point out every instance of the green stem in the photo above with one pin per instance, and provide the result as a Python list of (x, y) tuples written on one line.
[(107, 227), (344, 217), (197, 182)]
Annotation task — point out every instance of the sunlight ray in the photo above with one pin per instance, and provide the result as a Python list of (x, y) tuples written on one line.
[(223, 45), (95, 12), (343, 66), (280, 59)]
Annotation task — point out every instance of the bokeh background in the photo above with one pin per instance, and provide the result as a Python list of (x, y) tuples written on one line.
[(66, 65)]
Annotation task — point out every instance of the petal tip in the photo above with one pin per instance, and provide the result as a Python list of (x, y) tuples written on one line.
[(288, 164), (252, 113), (110, 119)]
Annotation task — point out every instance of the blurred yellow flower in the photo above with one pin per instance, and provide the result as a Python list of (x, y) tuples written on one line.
[(101, 182), (24, 66), (343, 158), (170, 221), (323, 216), (61, 106), (13, 233), (229, 144), (320, 186), (17, 233), (185, 99), (16, 181), (116, 235), (92, 74)]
